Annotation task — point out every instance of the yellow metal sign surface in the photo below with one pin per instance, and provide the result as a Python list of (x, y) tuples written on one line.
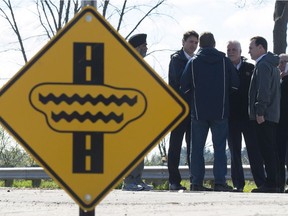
[(88, 108)]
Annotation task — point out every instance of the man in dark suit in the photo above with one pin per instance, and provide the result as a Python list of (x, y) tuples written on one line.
[(239, 123), (264, 109), (177, 64)]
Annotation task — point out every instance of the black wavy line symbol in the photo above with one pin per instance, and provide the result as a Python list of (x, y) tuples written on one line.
[(87, 98), (87, 116)]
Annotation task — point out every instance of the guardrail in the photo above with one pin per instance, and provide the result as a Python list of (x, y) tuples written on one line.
[(161, 172), (151, 173)]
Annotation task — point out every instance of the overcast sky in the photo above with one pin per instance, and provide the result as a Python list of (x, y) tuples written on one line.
[(224, 18)]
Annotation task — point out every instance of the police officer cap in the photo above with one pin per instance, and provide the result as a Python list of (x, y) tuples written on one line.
[(137, 40)]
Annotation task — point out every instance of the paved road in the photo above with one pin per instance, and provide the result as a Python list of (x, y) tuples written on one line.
[(31, 202)]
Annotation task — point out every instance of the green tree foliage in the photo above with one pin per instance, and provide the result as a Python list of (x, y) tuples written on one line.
[(11, 153)]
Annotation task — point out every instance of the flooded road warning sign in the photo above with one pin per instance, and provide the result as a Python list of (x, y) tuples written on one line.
[(88, 108)]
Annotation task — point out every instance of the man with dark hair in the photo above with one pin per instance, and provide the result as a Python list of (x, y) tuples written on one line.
[(207, 40), (240, 125), (264, 109), (177, 64), (209, 78), (134, 182)]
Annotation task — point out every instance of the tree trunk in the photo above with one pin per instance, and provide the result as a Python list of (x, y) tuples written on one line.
[(280, 27)]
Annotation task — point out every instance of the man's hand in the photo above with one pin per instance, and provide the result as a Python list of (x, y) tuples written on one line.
[(282, 74), (260, 119)]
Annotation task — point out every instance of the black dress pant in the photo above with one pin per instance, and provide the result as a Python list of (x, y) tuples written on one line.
[(267, 141), (174, 152), (237, 128), (282, 140)]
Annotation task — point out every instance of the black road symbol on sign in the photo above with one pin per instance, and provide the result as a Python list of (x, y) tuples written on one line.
[(88, 89), (88, 148), (88, 69)]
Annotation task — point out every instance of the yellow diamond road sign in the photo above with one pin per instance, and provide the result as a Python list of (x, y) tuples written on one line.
[(88, 108)]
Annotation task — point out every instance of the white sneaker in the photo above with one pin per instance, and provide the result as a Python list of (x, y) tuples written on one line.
[(132, 187), (146, 186)]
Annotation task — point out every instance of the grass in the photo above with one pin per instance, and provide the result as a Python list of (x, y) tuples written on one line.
[(45, 184), (249, 185)]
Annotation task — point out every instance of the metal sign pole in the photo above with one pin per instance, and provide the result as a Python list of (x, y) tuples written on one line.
[(87, 213), (91, 3)]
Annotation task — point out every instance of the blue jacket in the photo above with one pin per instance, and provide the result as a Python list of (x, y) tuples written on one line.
[(264, 91), (209, 77), (177, 64)]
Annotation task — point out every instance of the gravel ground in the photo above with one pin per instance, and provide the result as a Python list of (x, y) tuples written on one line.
[(37, 202)]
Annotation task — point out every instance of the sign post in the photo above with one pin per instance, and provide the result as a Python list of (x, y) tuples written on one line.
[(88, 108), (92, 3)]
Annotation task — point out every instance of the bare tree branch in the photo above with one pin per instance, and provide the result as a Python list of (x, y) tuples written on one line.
[(61, 6), (121, 15), (160, 50), (41, 21), (53, 17), (243, 3), (47, 20), (146, 15), (14, 26), (106, 3), (52, 14), (77, 6), (66, 19)]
